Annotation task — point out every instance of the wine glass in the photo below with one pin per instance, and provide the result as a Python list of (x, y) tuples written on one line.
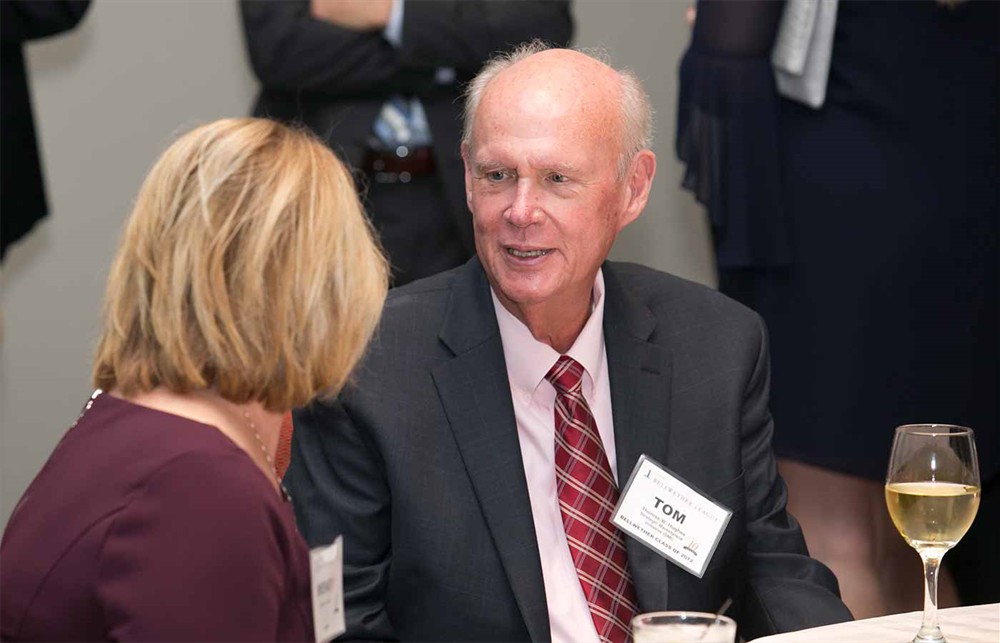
[(681, 627), (932, 491)]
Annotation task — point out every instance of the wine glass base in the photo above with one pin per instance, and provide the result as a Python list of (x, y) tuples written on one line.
[(932, 636)]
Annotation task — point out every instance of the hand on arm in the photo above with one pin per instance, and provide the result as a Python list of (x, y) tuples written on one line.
[(292, 51), (463, 34), (359, 15)]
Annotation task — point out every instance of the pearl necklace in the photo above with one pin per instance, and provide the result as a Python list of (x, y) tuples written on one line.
[(263, 449)]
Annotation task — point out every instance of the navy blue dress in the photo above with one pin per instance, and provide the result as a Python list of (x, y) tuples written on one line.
[(865, 232)]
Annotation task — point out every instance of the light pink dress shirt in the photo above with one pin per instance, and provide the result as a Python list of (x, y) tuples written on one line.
[(528, 360)]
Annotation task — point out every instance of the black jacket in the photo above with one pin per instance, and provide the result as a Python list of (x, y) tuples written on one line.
[(21, 186), (335, 80)]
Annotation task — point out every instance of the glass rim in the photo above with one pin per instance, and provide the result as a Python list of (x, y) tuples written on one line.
[(932, 430), (682, 614)]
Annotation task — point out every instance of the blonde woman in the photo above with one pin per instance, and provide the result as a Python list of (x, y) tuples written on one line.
[(247, 282)]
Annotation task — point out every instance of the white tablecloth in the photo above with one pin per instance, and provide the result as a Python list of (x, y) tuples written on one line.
[(977, 623)]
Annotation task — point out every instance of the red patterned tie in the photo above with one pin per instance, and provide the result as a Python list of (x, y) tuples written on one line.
[(587, 498)]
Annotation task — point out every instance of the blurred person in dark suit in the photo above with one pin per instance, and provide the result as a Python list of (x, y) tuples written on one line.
[(247, 281), (473, 465), (22, 189), (861, 219), (379, 80)]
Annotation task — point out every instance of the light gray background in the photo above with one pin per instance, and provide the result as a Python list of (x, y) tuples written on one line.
[(112, 94)]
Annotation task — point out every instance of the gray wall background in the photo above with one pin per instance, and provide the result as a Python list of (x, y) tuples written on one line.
[(112, 94)]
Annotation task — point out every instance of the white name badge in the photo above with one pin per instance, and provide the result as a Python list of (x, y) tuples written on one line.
[(326, 566), (670, 517)]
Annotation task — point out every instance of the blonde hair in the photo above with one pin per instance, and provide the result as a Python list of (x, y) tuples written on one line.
[(246, 266), (635, 110)]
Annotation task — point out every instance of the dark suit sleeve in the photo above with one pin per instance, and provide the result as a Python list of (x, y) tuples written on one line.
[(29, 19), (290, 50), (338, 487), (463, 34), (787, 590)]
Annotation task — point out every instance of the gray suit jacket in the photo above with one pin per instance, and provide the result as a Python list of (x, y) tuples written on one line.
[(418, 464)]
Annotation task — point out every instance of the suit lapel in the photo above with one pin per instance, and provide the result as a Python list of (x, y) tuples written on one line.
[(640, 378), (475, 393)]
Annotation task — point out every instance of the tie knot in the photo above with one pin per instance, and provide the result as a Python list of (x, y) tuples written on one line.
[(566, 376)]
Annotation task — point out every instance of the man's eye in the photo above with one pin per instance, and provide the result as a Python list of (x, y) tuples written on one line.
[(558, 178), (496, 176)]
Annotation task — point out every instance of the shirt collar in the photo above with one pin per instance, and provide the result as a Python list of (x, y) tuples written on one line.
[(529, 360)]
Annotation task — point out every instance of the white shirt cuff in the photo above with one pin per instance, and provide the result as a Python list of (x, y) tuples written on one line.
[(394, 28)]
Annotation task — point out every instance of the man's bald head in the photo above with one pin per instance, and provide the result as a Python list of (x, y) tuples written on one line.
[(536, 75)]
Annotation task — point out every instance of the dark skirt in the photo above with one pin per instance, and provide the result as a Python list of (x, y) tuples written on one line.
[(885, 309)]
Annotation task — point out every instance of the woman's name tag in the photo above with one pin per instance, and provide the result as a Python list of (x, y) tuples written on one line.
[(671, 517), (326, 566)]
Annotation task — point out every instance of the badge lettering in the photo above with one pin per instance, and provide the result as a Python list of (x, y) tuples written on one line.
[(669, 511), (668, 515)]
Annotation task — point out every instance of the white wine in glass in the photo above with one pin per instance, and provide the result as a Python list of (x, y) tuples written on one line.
[(932, 492)]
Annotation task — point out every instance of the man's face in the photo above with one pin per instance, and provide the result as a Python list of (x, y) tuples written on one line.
[(541, 178)]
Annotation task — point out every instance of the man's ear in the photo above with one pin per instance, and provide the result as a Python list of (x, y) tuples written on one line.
[(639, 182), (468, 175)]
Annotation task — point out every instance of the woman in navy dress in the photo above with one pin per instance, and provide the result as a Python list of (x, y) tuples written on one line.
[(246, 282), (865, 232)]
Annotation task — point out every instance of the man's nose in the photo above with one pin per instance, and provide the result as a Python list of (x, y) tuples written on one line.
[(526, 208)]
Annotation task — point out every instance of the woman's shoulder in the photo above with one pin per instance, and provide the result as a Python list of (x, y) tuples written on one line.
[(125, 463), (148, 503), (148, 443), (208, 499)]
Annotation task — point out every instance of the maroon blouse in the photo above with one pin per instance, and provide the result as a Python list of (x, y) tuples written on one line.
[(148, 526)]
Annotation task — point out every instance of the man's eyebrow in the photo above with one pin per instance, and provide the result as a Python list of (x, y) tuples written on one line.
[(487, 164), (562, 168)]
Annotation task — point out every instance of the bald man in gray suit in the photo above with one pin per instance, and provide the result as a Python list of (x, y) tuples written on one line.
[(446, 466)]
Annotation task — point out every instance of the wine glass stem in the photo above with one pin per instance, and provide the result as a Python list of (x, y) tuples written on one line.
[(929, 630)]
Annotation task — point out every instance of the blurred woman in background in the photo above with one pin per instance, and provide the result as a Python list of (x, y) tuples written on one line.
[(861, 222), (247, 282)]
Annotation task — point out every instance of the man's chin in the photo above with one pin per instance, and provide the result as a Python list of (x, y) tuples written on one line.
[(521, 293)]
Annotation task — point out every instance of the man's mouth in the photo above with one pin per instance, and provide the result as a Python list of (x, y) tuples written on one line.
[(527, 254)]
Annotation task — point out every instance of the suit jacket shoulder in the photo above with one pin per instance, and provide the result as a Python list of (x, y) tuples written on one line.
[(418, 464), (698, 324), (676, 299)]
